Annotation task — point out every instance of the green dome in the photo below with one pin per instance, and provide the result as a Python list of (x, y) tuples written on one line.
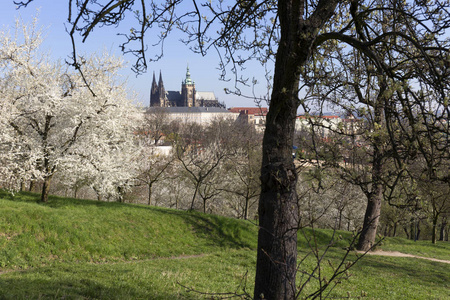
[(188, 79)]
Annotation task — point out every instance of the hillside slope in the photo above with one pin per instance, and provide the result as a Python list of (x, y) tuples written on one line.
[(68, 230), (81, 249)]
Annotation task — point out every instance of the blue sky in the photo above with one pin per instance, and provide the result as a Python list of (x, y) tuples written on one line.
[(52, 15)]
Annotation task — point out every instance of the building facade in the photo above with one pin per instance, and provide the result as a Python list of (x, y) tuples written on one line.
[(187, 97), (199, 115), (255, 116)]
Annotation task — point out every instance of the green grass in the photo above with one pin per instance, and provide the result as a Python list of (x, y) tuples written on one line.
[(79, 249), (68, 230)]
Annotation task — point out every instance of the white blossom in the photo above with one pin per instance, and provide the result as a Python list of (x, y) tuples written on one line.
[(52, 122)]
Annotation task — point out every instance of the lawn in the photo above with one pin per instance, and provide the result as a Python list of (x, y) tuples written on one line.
[(80, 249)]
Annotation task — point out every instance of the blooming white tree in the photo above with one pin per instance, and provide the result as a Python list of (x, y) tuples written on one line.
[(52, 119)]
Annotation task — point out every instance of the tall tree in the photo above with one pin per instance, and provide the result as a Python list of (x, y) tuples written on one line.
[(289, 32), (54, 123), (376, 81)]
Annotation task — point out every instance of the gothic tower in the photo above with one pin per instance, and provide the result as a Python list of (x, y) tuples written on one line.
[(188, 90), (162, 92), (158, 93), (154, 93)]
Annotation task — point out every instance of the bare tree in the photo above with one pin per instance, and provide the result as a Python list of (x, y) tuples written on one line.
[(156, 125), (202, 152), (153, 169), (154, 162), (243, 167)]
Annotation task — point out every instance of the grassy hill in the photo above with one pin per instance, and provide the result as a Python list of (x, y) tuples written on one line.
[(80, 249)]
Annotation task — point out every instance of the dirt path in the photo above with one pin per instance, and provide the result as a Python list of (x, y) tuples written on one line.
[(400, 254)]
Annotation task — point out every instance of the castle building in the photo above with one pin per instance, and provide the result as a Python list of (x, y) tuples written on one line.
[(187, 97)]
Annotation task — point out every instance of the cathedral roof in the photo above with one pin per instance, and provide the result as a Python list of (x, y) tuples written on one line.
[(205, 95), (173, 96)]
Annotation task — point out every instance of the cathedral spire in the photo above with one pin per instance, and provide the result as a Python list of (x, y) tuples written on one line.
[(154, 92), (160, 83), (154, 86), (161, 91)]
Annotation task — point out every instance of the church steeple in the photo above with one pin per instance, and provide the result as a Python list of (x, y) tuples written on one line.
[(160, 83), (154, 85), (154, 92), (188, 90), (188, 79), (158, 93), (161, 91)]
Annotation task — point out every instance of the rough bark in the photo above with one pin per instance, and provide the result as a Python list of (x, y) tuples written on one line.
[(276, 264), (372, 215), (278, 213), (371, 220), (373, 210)]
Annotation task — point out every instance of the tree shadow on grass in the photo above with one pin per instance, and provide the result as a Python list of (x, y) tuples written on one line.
[(428, 273), (307, 237), (63, 289), (42, 283), (218, 230)]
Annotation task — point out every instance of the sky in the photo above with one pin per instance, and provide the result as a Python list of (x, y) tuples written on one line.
[(52, 15)]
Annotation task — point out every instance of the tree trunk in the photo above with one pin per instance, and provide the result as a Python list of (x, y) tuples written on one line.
[(247, 200), (22, 186), (276, 263), (417, 234), (442, 235), (195, 195), (434, 230), (371, 220), (375, 196), (120, 193), (372, 216), (32, 184), (412, 229), (150, 193), (278, 211), (406, 232), (46, 188)]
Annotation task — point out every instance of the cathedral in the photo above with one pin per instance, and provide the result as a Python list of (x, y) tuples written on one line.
[(188, 97)]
